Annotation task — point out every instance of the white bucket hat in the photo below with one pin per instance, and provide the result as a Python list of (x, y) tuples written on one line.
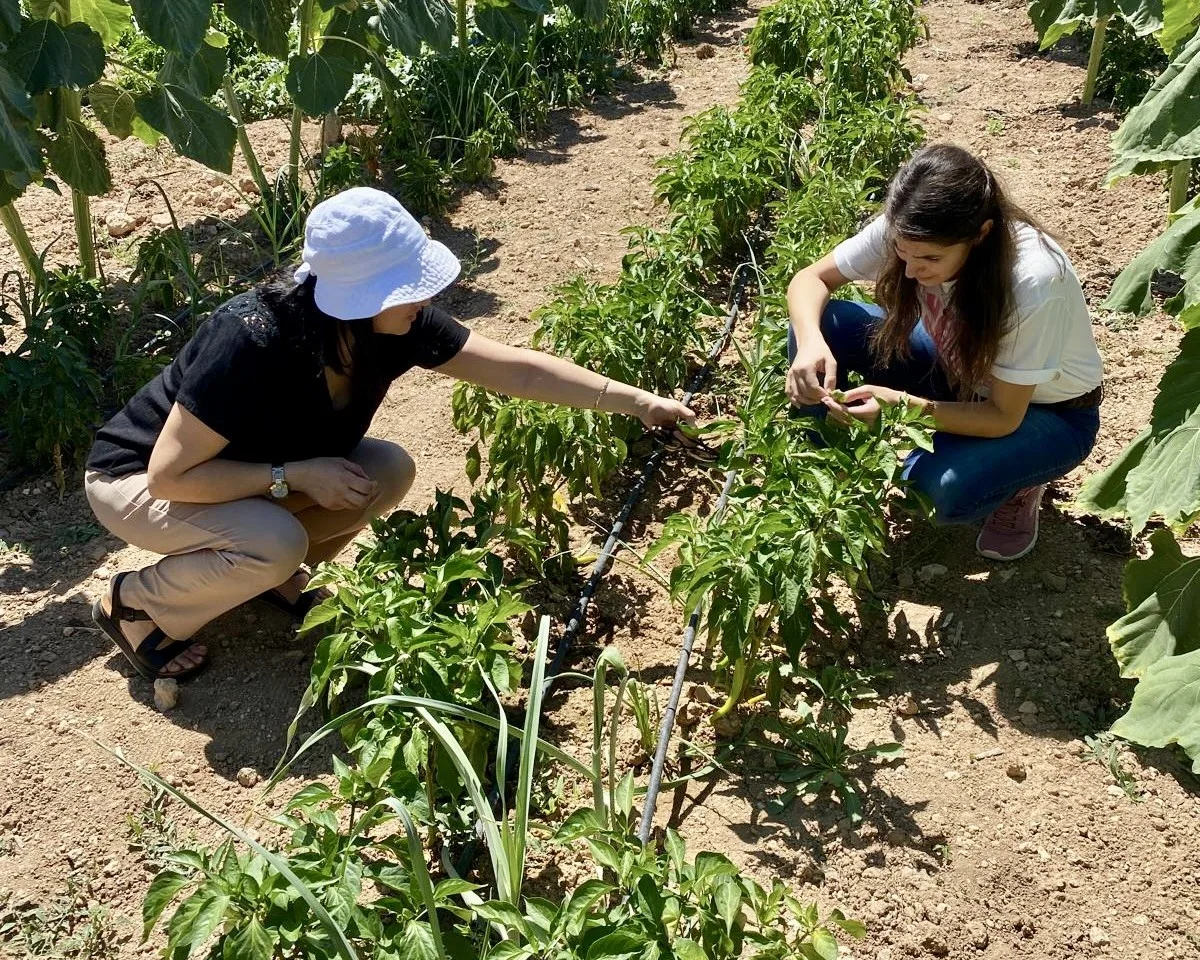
[(368, 253)]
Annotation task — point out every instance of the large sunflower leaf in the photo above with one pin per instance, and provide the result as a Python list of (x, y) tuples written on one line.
[(1163, 597), (1176, 251), (1159, 473), (46, 56), (107, 17), (19, 153), (196, 128), (1165, 127), (319, 82), (177, 25), (1179, 22), (1054, 19), (267, 21), (1166, 707), (114, 107), (76, 154), (407, 24)]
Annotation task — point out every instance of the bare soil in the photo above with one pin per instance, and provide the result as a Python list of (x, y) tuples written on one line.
[(997, 836)]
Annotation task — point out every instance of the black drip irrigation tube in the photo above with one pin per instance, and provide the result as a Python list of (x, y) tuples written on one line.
[(600, 567), (668, 720)]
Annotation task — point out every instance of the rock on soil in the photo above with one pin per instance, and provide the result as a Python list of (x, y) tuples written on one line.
[(247, 777), (166, 694)]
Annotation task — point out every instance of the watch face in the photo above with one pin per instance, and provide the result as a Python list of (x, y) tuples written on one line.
[(279, 489)]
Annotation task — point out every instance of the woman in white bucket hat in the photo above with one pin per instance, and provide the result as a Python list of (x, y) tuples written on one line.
[(247, 457)]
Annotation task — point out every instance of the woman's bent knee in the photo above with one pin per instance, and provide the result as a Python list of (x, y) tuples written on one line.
[(390, 466), (277, 550)]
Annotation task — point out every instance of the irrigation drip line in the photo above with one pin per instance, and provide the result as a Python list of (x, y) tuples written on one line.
[(668, 720), (600, 567), (649, 471)]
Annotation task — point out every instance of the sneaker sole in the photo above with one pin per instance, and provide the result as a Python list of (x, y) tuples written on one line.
[(989, 555)]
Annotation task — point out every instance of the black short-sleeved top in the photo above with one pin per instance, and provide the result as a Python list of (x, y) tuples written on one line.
[(255, 373)]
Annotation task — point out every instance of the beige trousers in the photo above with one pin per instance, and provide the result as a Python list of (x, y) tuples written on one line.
[(219, 555)]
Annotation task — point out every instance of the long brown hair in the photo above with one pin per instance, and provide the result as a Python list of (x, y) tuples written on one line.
[(945, 195)]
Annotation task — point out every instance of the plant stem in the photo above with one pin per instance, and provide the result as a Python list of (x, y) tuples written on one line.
[(235, 111), (15, 229), (1089, 84), (460, 15), (297, 114), (81, 203), (1181, 175)]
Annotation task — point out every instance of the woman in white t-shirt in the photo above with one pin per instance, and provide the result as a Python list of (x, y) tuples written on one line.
[(981, 321)]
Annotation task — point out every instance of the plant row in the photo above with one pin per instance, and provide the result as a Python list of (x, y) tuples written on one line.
[(1157, 477), (419, 638)]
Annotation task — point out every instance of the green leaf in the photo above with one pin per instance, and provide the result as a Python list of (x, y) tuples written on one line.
[(503, 21), (319, 82), (1159, 473), (196, 128), (251, 942), (1166, 707), (107, 17), (164, 888), (267, 21), (46, 56), (728, 897), (622, 943), (1179, 22), (196, 919), (1175, 251), (407, 24), (114, 107), (1165, 127), (19, 152), (593, 10), (688, 950), (504, 914), (583, 822), (177, 25), (824, 945), (202, 73), (1054, 19), (1163, 596), (76, 154), (417, 943)]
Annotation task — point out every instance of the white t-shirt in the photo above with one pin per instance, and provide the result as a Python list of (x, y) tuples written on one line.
[(1048, 342)]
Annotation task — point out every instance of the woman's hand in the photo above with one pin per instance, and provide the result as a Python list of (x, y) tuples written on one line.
[(656, 411), (862, 403), (332, 482), (813, 372)]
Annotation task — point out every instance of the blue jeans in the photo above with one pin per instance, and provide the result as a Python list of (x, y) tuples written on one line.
[(964, 478)]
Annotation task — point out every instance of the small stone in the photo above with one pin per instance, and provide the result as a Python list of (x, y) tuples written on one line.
[(908, 706), (102, 573), (878, 909), (931, 571), (166, 694), (68, 631), (162, 220), (977, 934), (1099, 936), (701, 694), (1017, 771), (1028, 707), (112, 868), (1016, 655), (120, 224), (247, 777), (97, 552), (591, 187), (945, 118), (248, 186), (705, 51), (1054, 581), (1115, 791)]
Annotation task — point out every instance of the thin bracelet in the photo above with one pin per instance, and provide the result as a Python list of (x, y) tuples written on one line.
[(600, 395)]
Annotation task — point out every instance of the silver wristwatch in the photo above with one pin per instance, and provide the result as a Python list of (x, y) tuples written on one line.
[(279, 486)]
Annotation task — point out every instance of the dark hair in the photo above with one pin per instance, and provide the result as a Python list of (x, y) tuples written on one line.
[(345, 346), (945, 195)]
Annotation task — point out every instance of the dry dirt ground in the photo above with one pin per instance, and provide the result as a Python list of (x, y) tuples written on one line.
[(997, 836)]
